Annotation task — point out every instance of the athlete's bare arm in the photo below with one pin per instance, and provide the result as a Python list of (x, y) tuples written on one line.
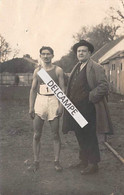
[(33, 93), (60, 76)]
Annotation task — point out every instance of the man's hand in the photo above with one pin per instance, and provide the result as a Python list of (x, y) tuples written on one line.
[(32, 113), (59, 110)]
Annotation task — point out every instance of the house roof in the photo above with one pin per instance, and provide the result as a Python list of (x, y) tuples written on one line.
[(103, 50), (115, 55), (17, 65)]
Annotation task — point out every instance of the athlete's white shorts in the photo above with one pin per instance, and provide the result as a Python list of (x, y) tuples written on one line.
[(46, 107)]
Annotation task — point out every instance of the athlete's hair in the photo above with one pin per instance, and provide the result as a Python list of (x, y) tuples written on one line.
[(48, 48)]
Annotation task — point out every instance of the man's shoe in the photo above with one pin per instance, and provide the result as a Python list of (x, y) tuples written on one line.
[(90, 170), (57, 166), (78, 165), (34, 167)]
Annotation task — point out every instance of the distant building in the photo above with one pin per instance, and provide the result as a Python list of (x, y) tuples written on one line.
[(111, 56), (114, 68), (16, 68)]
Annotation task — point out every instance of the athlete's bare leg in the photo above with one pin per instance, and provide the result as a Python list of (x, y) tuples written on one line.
[(38, 126), (57, 142), (56, 138)]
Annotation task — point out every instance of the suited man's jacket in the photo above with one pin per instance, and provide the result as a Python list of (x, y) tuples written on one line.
[(99, 88)]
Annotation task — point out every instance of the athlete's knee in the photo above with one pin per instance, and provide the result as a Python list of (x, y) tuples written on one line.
[(37, 136)]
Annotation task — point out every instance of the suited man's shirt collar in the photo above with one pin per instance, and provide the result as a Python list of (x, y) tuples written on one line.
[(83, 64)]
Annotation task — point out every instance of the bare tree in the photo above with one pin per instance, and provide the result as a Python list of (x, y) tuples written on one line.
[(117, 14), (98, 35), (16, 52), (4, 49)]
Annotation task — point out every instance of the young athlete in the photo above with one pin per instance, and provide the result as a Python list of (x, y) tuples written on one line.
[(43, 105)]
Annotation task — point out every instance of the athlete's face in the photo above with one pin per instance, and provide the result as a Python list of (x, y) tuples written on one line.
[(83, 53), (46, 56)]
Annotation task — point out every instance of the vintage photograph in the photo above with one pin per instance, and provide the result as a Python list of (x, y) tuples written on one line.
[(61, 97)]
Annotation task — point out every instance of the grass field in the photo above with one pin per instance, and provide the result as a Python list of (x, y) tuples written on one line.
[(16, 146)]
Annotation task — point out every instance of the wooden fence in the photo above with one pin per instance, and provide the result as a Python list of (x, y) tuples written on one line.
[(24, 79)]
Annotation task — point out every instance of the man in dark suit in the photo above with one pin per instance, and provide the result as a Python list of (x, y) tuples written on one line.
[(87, 89)]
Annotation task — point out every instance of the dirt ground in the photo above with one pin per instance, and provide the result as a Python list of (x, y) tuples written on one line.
[(16, 146)]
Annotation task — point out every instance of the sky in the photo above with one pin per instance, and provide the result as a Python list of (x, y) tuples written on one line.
[(29, 25)]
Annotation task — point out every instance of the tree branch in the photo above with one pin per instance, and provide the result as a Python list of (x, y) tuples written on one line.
[(120, 14)]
